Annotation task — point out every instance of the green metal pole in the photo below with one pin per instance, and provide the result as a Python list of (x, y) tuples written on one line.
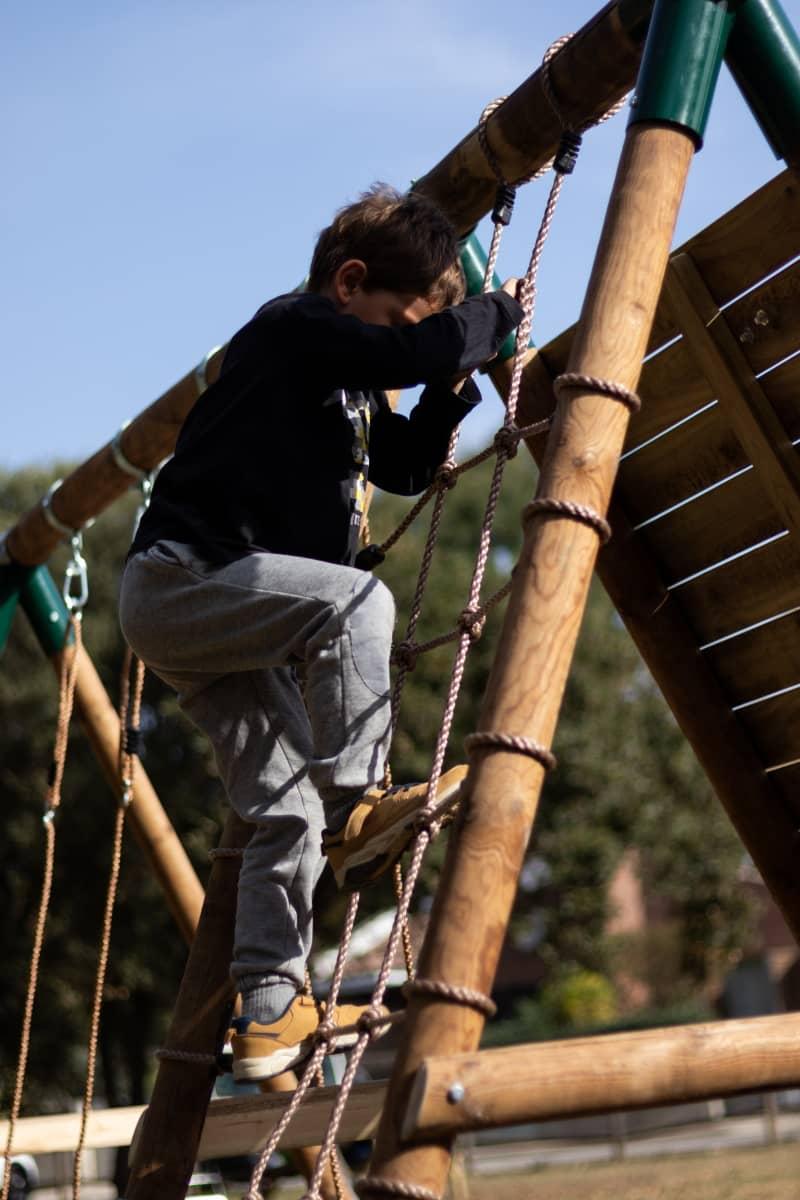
[(764, 58), (45, 608), (473, 262), (682, 57)]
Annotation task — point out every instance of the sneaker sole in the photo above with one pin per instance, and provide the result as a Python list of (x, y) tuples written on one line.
[(251, 1070), (377, 855)]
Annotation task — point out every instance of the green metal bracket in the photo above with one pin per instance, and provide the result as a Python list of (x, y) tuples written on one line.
[(473, 263), (682, 56), (44, 606), (764, 59)]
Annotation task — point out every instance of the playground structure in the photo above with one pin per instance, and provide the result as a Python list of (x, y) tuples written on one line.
[(703, 567)]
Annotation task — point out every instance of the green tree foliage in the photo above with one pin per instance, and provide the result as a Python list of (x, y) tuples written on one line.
[(625, 778)]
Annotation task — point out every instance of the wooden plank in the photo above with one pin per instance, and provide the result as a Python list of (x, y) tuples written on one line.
[(749, 589), (752, 240), (722, 522), (513, 1085), (243, 1124), (782, 387), (678, 465), (755, 238), (764, 323), (59, 1132), (741, 399), (671, 389), (774, 727), (761, 661)]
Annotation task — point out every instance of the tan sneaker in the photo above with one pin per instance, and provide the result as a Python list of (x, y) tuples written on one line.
[(261, 1051), (380, 828)]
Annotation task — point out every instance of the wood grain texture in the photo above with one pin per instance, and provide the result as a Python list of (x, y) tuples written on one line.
[(580, 1076)]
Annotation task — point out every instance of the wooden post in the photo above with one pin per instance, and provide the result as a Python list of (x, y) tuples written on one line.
[(547, 600), (613, 1073)]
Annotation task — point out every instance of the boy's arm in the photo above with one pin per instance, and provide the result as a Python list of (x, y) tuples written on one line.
[(404, 452), (345, 352)]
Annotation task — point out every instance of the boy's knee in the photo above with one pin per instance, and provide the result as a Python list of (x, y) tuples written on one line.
[(373, 602)]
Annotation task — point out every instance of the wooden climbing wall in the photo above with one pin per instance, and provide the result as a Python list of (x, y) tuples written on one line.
[(710, 477)]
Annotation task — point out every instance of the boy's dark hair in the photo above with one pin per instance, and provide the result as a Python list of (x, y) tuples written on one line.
[(407, 243)]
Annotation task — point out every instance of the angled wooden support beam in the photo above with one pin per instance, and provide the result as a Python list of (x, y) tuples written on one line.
[(589, 75), (548, 595), (613, 1073), (150, 824), (719, 357), (96, 483)]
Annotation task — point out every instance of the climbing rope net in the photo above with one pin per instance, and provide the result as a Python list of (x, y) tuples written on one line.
[(406, 652)]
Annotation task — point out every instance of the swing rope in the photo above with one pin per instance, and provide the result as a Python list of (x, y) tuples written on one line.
[(66, 697), (129, 725)]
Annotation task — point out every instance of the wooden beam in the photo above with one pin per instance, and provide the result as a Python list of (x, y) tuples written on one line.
[(97, 482), (146, 816), (590, 74), (614, 1073), (549, 590), (244, 1125), (240, 1125), (720, 358), (107, 1127)]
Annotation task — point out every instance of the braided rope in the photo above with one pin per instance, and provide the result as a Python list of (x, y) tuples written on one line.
[(226, 852), (452, 992), (604, 387), (503, 450), (311, 1068), (186, 1056), (572, 511), (66, 697), (130, 700), (393, 1187), (512, 742), (408, 949)]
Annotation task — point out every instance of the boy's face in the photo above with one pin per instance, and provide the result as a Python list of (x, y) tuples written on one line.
[(380, 307)]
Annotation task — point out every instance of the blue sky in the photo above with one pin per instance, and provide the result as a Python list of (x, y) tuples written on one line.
[(168, 163)]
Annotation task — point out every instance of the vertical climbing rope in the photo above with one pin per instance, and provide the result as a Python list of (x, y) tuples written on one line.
[(471, 622), (129, 722)]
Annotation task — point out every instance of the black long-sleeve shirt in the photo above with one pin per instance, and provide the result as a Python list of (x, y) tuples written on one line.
[(267, 457)]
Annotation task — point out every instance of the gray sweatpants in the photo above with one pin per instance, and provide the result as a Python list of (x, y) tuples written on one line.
[(228, 640)]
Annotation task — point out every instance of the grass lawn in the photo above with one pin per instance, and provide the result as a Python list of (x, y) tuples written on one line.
[(772, 1173)]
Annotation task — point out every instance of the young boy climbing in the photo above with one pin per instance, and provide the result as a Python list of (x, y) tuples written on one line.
[(241, 575)]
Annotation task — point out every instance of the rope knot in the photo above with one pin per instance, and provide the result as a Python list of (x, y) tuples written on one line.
[(370, 1019), (325, 1033), (405, 655), (471, 621), (506, 440), (446, 476)]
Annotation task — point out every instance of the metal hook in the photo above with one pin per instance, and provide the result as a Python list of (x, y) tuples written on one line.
[(76, 569)]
